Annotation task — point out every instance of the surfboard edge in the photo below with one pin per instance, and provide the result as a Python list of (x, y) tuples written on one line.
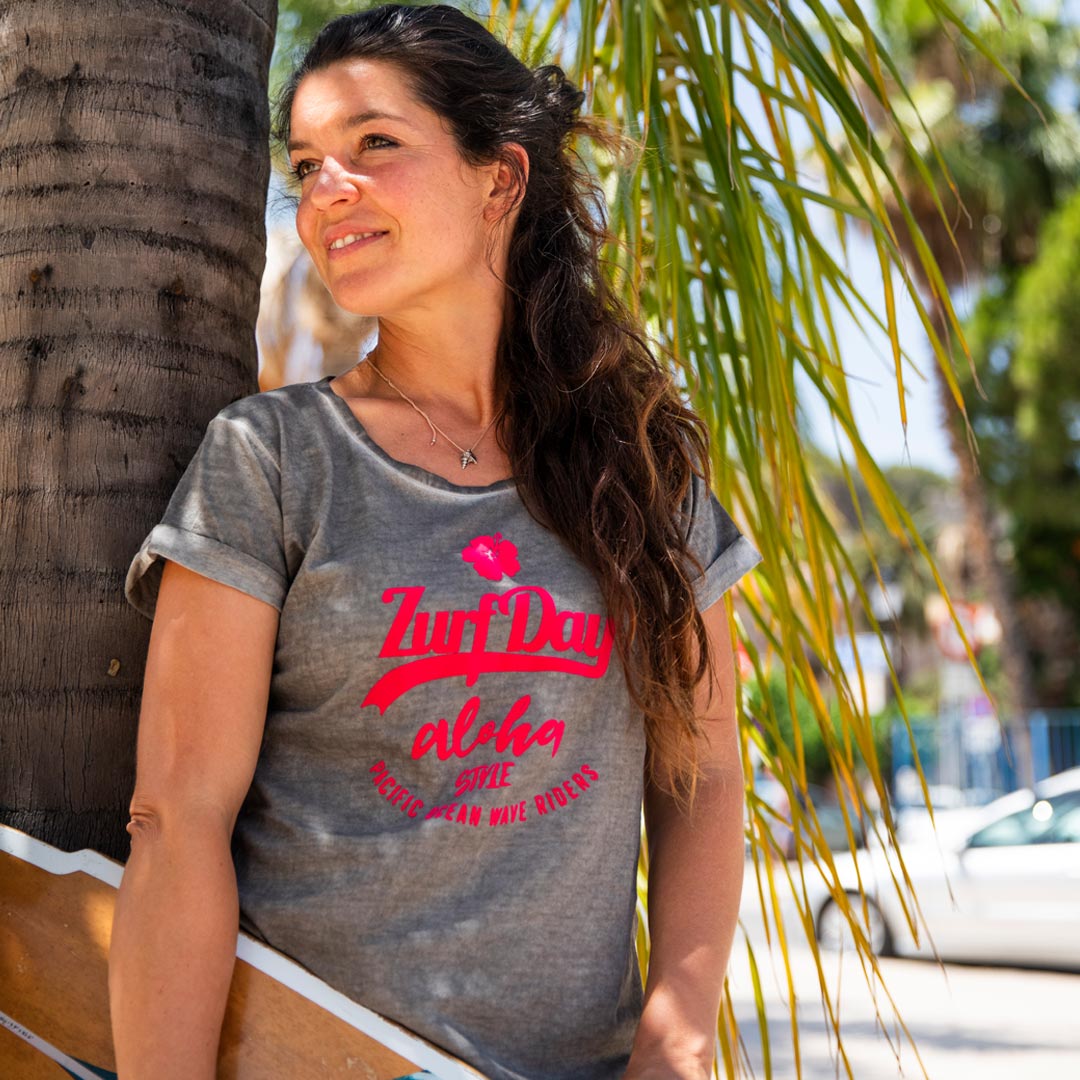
[(396, 1038), (38, 853), (260, 956)]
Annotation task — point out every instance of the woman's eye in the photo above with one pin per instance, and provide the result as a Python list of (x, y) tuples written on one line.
[(300, 171)]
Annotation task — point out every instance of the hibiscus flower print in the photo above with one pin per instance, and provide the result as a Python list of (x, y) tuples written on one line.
[(492, 556)]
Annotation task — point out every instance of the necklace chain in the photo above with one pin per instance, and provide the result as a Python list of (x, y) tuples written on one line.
[(467, 456)]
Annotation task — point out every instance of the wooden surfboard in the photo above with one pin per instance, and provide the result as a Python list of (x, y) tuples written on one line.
[(56, 911)]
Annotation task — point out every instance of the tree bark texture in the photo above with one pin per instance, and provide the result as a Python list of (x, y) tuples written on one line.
[(134, 165)]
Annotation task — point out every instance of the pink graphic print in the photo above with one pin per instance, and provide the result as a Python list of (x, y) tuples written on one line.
[(534, 634), (492, 557)]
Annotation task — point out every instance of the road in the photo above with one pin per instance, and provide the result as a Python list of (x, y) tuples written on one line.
[(968, 1022)]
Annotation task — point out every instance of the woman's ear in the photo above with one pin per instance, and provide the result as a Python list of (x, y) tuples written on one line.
[(507, 188)]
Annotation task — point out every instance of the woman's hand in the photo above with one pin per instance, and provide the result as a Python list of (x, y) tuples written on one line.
[(660, 1064), (659, 1061)]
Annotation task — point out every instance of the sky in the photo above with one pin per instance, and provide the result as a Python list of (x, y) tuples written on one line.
[(866, 357)]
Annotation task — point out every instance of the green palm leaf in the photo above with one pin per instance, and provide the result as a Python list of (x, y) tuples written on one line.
[(718, 234)]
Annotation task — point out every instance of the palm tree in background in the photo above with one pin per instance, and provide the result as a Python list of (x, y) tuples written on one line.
[(134, 253), (1000, 158)]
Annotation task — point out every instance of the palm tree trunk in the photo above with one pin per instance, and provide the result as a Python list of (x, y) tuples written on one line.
[(996, 581), (134, 161)]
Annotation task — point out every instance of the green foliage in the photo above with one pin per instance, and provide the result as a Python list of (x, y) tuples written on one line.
[(925, 494), (788, 712), (819, 766), (1011, 154), (1027, 420), (298, 22)]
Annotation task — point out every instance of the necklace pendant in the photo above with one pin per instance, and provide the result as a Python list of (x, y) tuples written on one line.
[(468, 458)]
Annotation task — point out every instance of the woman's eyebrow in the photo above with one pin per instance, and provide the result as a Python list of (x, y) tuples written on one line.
[(353, 121)]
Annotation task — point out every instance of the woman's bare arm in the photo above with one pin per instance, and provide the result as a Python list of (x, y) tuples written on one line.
[(201, 722), (695, 883)]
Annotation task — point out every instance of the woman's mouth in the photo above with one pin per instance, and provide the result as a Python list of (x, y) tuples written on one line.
[(354, 242)]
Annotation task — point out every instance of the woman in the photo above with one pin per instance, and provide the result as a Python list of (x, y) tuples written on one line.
[(429, 632)]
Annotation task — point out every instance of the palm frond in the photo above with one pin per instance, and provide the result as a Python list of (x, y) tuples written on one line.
[(719, 236)]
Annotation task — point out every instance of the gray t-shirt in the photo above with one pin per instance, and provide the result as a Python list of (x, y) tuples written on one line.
[(445, 816)]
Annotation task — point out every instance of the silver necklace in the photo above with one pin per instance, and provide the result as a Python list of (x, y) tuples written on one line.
[(467, 456)]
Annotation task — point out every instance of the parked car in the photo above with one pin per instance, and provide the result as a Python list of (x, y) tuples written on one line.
[(1007, 891), (956, 810)]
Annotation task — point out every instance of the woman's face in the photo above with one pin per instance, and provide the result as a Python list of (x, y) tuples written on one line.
[(398, 174)]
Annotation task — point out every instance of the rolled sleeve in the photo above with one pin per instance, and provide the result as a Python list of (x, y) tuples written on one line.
[(223, 520), (714, 539)]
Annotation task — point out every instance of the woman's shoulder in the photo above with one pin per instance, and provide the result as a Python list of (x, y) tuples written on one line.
[(269, 414), (290, 398)]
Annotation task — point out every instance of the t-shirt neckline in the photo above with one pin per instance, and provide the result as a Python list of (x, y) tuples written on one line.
[(417, 472)]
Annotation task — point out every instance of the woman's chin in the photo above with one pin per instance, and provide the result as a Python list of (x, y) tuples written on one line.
[(355, 301), (355, 306)]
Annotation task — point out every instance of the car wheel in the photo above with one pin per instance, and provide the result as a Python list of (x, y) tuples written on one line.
[(834, 931)]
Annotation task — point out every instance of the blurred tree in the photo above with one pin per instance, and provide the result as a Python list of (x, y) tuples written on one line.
[(926, 495), (1008, 155), (1024, 332), (922, 492)]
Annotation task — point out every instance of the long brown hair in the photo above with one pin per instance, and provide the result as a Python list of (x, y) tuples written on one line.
[(601, 445)]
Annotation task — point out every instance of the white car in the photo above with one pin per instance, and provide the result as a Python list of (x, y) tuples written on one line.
[(1014, 877)]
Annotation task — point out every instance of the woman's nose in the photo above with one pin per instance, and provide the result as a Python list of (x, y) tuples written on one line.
[(333, 183)]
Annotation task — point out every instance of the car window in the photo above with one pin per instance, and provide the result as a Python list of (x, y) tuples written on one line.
[(1048, 821), (1066, 828), (1013, 829)]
